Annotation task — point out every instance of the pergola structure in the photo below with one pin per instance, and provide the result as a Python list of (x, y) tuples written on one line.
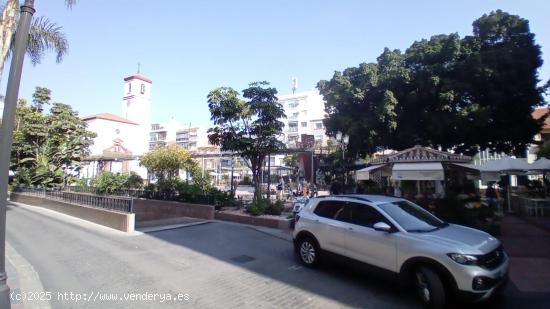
[(428, 168)]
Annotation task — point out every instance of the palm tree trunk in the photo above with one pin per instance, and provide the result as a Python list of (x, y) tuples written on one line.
[(8, 23)]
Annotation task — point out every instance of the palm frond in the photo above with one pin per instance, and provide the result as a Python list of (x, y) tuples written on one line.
[(45, 36), (70, 3)]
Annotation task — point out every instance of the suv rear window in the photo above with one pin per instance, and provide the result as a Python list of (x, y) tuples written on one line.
[(330, 209), (365, 215)]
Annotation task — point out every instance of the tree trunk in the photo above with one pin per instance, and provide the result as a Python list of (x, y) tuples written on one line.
[(7, 29), (256, 164)]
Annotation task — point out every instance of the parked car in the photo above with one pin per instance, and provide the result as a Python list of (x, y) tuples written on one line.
[(392, 234), (298, 205)]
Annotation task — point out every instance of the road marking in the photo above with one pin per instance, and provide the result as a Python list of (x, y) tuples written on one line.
[(295, 267), (29, 280)]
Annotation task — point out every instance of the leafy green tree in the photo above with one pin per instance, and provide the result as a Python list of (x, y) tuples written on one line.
[(165, 162), (47, 148), (133, 181), (107, 182), (44, 35), (41, 97), (463, 94), (250, 127)]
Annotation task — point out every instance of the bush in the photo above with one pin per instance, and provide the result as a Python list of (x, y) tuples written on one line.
[(264, 207), (133, 181), (275, 208), (107, 182), (257, 207)]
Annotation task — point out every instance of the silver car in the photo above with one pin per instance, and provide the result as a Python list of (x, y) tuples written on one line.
[(392, 234)]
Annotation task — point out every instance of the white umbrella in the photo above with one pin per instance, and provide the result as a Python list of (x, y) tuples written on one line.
[(508, 166), (541, 164)]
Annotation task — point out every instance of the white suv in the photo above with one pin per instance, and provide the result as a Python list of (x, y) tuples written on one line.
[(395, 235)]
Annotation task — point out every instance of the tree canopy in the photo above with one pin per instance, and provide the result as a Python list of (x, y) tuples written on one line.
[(250, 127), (44, 35), (462, 94), (165, 162), (47, 148)]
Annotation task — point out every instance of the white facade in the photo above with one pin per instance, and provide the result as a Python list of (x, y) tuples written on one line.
[(121, 140), (136, 100), (305, 112)]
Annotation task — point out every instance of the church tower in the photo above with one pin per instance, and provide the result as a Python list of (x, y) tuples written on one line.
[(136, 102)]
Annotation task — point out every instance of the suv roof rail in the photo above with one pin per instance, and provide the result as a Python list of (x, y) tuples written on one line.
[(356, 197)]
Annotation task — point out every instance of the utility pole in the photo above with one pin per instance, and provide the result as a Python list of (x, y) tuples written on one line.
[(6, 135), (268, 177), (232, 170)]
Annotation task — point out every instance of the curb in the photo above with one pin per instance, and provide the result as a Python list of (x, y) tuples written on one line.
[(29, 280)]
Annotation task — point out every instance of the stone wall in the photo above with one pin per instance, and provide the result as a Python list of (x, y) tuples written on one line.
[(117, 220)]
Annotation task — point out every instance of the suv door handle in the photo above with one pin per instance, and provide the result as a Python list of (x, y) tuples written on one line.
[(350, 228)]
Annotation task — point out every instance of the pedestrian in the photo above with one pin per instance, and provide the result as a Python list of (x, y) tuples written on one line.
[(492, 196)]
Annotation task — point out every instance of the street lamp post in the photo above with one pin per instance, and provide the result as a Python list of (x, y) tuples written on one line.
[(6, 135), (343, 141)]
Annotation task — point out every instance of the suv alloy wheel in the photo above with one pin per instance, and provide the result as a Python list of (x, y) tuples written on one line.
[(429, 287), (308, 251)]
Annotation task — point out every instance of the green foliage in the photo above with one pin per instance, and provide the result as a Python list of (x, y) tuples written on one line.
[(83, 182), (45, 35), (265, 207), (47, 148), (165, 162), (464, 94), (257, 207), (250, 127), (41, 97), (133, 181), (275, 208), (108, 183)]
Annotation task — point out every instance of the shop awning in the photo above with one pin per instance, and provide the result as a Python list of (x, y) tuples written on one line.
[(418, 171), (364, 174)]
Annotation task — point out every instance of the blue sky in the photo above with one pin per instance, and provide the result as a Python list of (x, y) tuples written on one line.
[(190, 47)]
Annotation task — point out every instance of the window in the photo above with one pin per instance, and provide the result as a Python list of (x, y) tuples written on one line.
[(304, 124), (318, 125), (292, 138), (365, 215), (129, 87), (293, 104), (333, 210), (293, 126), (412, 217), (142, 90)]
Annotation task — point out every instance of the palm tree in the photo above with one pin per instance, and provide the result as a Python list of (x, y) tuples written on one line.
[(44, 35)]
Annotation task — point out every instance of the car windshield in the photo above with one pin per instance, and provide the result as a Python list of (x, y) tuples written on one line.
[(412, 217)]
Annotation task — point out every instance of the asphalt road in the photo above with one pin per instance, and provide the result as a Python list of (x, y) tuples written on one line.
[(210, 266)]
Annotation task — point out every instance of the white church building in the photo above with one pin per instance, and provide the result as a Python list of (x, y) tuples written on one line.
[(121, 139)]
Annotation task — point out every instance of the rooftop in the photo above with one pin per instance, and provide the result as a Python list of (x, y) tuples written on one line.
[(109, 117)]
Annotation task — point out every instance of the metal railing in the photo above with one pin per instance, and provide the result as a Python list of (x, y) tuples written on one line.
[(119, 203)]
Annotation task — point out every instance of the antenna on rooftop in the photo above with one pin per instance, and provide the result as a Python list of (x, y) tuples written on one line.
[(294, 85), (139, 66)]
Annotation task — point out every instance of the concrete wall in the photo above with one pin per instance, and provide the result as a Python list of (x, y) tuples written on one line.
[(113, 219), (151, 210)]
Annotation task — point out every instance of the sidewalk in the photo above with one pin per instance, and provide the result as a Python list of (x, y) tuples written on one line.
[(529, 249), (13, 283)]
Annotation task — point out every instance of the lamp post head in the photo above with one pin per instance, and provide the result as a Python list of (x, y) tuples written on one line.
[(346, 139), (339, 135)]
